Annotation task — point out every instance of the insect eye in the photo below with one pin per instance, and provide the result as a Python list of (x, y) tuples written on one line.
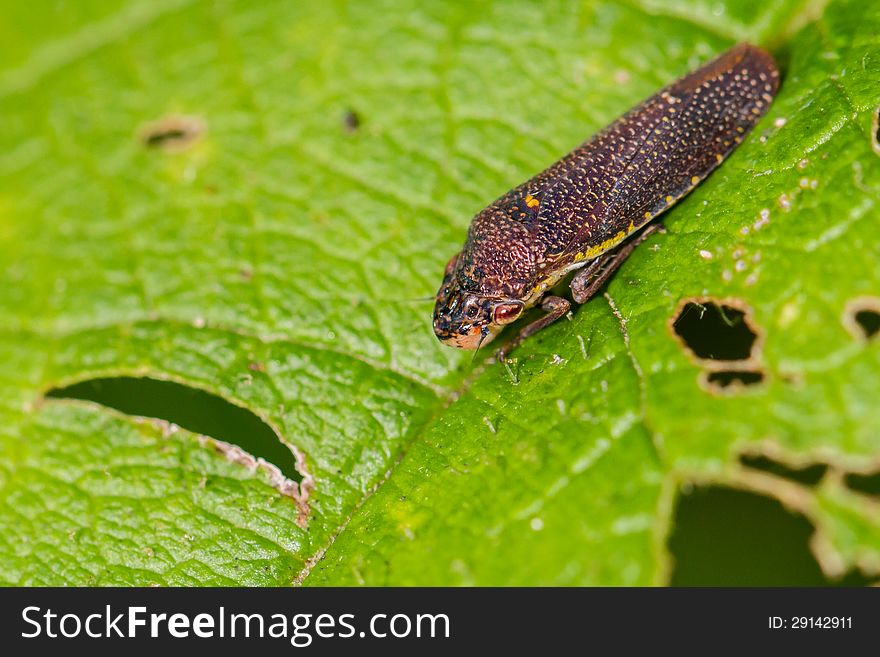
[(505, 313), (471, 309)]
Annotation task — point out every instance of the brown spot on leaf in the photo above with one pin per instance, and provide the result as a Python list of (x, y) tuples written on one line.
[(172, 134), (351, 121)]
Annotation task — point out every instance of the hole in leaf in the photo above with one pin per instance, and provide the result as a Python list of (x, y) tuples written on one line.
[(862, 317), (715, 331), (808, 475), (172, 133), (869, 321), (731, 380), (190, 408), (869, 484), (728, 537), (875, 131), (351, 121)]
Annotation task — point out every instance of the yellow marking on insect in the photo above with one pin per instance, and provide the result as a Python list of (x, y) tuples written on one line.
[(531, 201), (599, 249), (718, 156), (631, 226), (647, 215), (669, 199), (695, 180)]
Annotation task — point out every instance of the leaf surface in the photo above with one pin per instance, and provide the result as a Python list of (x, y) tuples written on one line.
[(272, 260)]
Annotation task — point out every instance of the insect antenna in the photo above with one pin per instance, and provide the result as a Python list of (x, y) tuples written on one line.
[(410, 300), (483, 333)]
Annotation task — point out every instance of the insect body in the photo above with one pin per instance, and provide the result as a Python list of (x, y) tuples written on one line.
[(577, 214)]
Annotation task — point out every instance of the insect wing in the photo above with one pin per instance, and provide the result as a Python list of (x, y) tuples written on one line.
[(655, 154)]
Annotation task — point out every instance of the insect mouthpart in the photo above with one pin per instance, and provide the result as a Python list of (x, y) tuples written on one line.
[(464, 320)]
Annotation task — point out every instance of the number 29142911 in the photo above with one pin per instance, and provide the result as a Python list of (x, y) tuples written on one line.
[(810, 623)]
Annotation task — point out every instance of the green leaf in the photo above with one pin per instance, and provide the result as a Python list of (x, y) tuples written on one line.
[(271, 258)]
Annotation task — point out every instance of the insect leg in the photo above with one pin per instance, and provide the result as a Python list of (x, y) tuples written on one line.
[(555, 307), (587, 282)]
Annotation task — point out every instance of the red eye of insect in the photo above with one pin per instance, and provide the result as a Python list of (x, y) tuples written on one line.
[(505, 313)]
